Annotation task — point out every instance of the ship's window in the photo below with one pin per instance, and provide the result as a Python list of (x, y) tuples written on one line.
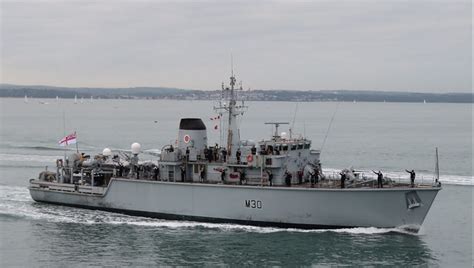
[(307, 145), (284, 147), (300, 146), (278, 147), (262, 147), (196, 169), (293, 147), (171, 175)]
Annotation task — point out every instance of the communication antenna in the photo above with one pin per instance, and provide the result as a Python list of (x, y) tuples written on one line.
[(232, 64), (329, 127), (294, 119)]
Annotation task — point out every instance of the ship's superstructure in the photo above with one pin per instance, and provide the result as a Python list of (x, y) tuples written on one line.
[(236, 161), (276, 181)]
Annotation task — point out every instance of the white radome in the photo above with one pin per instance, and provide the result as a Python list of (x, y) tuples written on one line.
[(136, 148), (284, 135), (107, 152)]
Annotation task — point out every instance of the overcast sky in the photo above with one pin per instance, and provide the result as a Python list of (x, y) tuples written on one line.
[(422, 46)]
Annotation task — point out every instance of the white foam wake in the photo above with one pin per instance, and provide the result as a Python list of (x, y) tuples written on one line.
[(24, 159)]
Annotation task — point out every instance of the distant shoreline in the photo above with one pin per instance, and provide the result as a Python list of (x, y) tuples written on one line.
[(52, 100), (47, 92)]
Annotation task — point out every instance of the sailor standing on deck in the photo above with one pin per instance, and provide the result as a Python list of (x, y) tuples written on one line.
[(183, 173), (379, 178), (237, 155), (223, 175), (270, 177), (216, 152), (202, 173), (300, 177), (412, 177), (206, 153), (187, 153), (224, 155), (343, 180), (313, 178), (288, 178), (253, 150)]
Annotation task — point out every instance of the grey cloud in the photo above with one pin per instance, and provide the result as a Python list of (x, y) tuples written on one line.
[(391, 45)]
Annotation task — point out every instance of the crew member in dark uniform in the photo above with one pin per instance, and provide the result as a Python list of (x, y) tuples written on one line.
[(216, 152), (223, 175), (237, 155), (203, 173), (183, 173), (300, 177), (156, 173), (243, 177), (379, 178), (313, 179), (253, 150), (288, 178), (343, 180), (270, 177), (224, 154), (317, 172), (187, 153), (412, 177), (206, 153)]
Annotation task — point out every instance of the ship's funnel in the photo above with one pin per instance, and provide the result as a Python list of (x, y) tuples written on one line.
[(192, 134)]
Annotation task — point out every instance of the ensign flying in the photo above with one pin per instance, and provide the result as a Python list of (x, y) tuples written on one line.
[(69, 139)]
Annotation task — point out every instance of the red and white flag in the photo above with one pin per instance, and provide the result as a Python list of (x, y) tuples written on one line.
[(69, 139)]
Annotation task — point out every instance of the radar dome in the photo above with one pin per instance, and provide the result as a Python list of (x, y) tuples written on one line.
[(136, 148), (107, 152), (284, 135)]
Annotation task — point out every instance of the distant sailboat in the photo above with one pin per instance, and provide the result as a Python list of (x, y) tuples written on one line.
[(91, 98), (82, 99), (57, 99), (75, 99), (354, 101), (424, 101), (26, 99)]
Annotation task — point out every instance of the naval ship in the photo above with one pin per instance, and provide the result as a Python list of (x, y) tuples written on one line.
[(276, 181)]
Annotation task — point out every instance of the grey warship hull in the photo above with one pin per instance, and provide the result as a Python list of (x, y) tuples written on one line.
[(260, 206)]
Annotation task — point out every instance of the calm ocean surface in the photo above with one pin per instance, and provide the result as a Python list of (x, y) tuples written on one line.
[(391, 137)]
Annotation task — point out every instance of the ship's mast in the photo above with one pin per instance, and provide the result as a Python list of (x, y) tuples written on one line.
[(231, 134)]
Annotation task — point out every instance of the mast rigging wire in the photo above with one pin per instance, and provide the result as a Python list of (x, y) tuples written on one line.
[(329, 128)]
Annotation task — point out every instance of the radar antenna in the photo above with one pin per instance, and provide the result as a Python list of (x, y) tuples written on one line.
[(276, 124)]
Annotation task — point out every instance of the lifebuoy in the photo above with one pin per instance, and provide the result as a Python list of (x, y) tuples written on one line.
[(186, 138), (249, 158)]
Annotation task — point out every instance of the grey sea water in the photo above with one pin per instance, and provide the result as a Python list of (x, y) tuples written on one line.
[(386, 136)]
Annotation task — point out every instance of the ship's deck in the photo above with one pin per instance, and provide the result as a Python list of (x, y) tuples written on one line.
[(323, 184)]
